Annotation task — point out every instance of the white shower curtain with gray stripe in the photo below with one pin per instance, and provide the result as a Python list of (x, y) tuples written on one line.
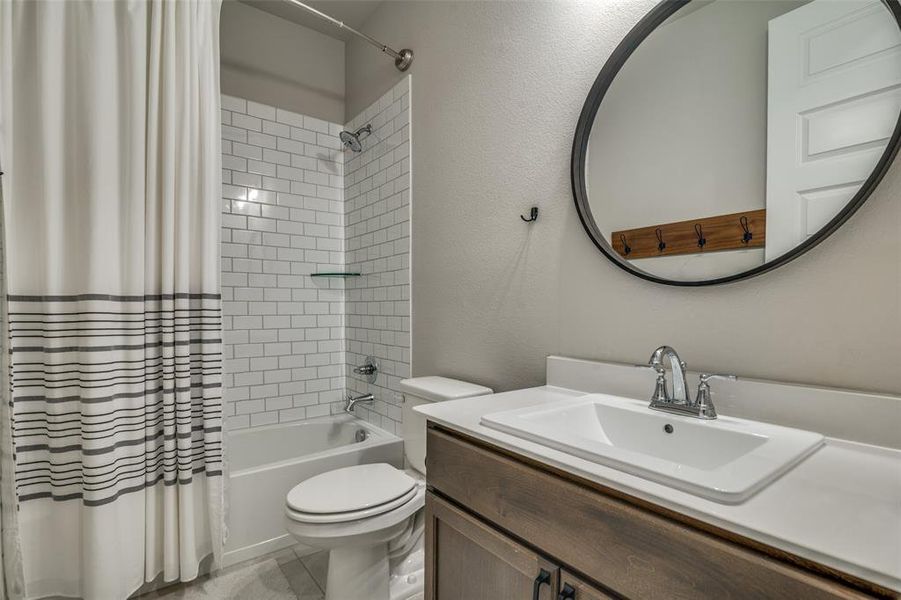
[(109, 139)]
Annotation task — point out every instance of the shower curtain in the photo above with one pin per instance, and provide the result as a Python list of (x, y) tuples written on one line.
[(109, 139)]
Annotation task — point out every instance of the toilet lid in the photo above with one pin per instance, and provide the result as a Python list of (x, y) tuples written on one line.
[(352, 515), (350, 489)]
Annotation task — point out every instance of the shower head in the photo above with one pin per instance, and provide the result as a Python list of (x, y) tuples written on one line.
[(352, 139)]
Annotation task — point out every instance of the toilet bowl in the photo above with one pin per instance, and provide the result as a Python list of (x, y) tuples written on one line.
[(369, 516)]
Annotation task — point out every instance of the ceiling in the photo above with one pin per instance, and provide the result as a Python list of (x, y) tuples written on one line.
[(352, 12)]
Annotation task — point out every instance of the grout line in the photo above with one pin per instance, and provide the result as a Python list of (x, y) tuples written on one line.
[(309, 572)]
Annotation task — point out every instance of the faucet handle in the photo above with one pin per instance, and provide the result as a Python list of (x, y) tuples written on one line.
[(703, 378), (660, 396), (703, 403), (369, 369)]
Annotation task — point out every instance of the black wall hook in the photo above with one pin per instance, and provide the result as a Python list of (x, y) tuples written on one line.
[(627, 249), (532, 213), (702, 241), (747, 236), (661, 245)]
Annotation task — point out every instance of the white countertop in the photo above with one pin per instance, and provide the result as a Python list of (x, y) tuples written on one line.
[(840, 507)]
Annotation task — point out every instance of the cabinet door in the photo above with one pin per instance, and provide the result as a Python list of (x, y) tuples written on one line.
[(574, 588), (468, 560)]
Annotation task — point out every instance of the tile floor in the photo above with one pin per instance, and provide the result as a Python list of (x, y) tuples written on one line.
[(283, 575)]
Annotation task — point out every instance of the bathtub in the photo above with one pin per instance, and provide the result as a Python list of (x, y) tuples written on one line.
[(266, 462)]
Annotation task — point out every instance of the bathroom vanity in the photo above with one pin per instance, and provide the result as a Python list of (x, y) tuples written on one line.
[(496, 521), (510, 518)]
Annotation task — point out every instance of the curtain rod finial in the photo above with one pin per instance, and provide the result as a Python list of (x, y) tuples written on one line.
[(404, 60)]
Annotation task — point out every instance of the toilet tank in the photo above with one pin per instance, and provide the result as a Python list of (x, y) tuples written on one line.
[(420, 390)]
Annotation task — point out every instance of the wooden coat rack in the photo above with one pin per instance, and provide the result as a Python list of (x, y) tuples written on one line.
[(736, 231)]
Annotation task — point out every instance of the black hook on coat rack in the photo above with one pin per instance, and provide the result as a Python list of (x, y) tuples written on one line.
[(661, 245), (627, 249), (699, 231), (747, 236), (532, 213)]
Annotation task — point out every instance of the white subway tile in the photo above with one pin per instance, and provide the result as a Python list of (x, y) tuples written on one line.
[(263, 418), (234, 104), (246, 122), (286, 145), (276, 185), (235, 134), (294, 202), (261, 167), (260, 110), (314, 124), (246, 179), (289, 118), (276, 129), (303, 135), (261, 139)]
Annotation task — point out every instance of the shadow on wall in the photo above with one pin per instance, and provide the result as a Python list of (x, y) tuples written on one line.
[(256, 73)]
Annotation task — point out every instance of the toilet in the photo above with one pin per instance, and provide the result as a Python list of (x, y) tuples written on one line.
[(369, 516)]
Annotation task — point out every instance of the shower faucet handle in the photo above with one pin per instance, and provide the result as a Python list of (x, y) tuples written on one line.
[(369, 368)]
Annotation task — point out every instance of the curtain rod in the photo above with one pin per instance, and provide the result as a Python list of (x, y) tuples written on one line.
[(402, 59)]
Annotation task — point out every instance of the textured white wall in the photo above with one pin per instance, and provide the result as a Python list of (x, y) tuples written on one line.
[(500, 86), (273, 61)]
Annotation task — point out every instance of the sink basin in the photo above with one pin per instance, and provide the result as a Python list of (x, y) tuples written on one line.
[(726, 460)]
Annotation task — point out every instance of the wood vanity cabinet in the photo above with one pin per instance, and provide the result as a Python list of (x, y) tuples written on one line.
[(470, 559), (500, 526)]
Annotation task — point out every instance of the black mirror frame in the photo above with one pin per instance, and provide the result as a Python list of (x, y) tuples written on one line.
[(611, 68)]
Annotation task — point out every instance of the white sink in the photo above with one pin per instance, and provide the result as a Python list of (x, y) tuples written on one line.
[(727, 459)]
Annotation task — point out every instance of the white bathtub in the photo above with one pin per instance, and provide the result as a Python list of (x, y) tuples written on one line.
[(266, 462)]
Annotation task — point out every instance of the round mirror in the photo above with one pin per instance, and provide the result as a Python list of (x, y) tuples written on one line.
[(724, 138)]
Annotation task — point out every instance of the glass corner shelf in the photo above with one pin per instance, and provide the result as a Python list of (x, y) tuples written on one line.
[(335, 274)]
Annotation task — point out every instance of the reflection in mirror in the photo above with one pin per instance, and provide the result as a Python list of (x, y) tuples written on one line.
[(738, 129)]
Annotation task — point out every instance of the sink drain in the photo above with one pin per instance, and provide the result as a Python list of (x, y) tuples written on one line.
[(668, 428)]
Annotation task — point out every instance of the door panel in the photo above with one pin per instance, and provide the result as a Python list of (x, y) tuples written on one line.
[(468, 560), (834, 95)]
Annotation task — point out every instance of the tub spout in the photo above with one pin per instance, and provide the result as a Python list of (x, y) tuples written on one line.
[(350, 402)]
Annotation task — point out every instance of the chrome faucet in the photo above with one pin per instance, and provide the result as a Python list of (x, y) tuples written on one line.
[(350, 402), (680, 387), (679, 403)]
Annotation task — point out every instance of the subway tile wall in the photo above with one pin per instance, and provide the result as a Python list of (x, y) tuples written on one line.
[(283, 218), (377, 244)]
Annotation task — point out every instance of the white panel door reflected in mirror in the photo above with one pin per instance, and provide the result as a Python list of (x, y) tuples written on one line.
[(737, 131)]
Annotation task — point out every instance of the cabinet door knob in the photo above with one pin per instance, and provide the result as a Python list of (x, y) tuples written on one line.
[(567, 593), (544, 578)]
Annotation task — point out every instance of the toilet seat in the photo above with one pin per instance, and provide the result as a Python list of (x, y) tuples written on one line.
[(353, 515), (349, 494), (374, 529)]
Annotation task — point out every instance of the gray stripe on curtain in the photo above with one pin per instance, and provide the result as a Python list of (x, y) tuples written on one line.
[(119, 394)]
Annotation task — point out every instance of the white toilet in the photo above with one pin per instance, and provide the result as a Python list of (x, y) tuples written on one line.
[(369, 516)]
